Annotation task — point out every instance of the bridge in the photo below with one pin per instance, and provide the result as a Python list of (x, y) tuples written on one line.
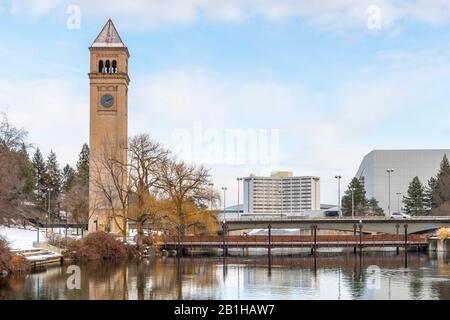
[(314, 241), (365, 224)]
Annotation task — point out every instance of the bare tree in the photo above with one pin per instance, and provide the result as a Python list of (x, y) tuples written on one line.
[(11, 137), (146, 158), (187, 186), (109, 177)]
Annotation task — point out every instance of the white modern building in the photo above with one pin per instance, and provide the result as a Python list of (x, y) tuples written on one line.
[(281, 193), (406, 164)]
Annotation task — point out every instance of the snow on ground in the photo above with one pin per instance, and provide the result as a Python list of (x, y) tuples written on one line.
[(20, 238)]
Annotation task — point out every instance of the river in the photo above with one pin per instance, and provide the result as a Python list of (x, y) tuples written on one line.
[(327, 276)]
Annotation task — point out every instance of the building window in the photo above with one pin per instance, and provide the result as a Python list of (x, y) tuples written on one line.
[(114, 66), (100, 66), (107, 67)]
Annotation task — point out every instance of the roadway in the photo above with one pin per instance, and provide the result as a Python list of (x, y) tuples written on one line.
[(368, 224)]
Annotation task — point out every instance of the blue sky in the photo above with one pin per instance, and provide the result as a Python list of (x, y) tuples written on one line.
[(331, 87)]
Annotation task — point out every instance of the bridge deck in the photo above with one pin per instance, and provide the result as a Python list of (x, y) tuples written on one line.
[(292, 241)]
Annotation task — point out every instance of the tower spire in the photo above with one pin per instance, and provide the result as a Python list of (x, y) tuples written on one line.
[(109, 37)]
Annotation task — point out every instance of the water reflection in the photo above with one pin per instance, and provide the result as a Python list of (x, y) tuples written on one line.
[(325, 276)]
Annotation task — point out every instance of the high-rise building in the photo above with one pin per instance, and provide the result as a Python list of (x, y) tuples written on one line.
[(406, 164), (281, 193)]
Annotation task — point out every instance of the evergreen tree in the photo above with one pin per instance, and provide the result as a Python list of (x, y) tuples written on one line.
[(68, 178), (27, 171), (373, 208), (441, 194), (38, 164), (53, 174), (430, 195), (444, 170), (415, 202), (83, 165), (359, 197), (53, 182)]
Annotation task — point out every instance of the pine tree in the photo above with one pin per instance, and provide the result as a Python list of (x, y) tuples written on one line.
[(373, 208), (359, 197), (68, 178), (27, 171), (444, 170), (53, 174), (53, 182), (430, 194), (441, 192), (415, 202), (83, 165), (38, 164)]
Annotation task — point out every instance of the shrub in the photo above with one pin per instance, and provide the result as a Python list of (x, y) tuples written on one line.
[(5, 257), (95, 246), (443, 233), (9, 262)]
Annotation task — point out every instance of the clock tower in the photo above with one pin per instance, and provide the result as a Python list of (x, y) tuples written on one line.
[(108, 132)]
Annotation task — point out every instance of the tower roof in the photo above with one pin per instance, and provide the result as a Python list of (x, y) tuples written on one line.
[(108, 37)]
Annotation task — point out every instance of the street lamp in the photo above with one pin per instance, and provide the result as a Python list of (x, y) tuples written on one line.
[(49, 204), (389, 171), (398, 201), (338, 177), (46, 226), (224, 203), (353, 201), (211, 195), (238, 211)]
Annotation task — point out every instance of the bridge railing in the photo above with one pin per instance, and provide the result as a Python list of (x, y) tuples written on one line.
[(264, 239)]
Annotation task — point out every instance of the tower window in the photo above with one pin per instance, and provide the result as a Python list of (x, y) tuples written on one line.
[(114, 66), (107, 67), (100, 66)]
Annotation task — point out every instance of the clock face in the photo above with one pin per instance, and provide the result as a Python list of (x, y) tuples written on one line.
[(107, 101)]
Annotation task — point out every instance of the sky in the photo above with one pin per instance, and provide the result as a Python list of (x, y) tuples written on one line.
[(241, 86)]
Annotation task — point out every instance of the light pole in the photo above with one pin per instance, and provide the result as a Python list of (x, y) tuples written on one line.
[(353, 201), (238, 211), (338, 177), (46, 226), (398, 201), (211, 195), (49, 206), (224, 203), (389, 171)]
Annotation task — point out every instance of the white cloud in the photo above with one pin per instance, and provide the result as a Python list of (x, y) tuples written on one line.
[(52, 111), (325, 14)]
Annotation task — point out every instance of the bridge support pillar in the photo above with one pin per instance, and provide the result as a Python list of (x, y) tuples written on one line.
[(313, 239), (406, 236), (224, 234), (360, 237), (269, 245), (397, 226), (354, 234)]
